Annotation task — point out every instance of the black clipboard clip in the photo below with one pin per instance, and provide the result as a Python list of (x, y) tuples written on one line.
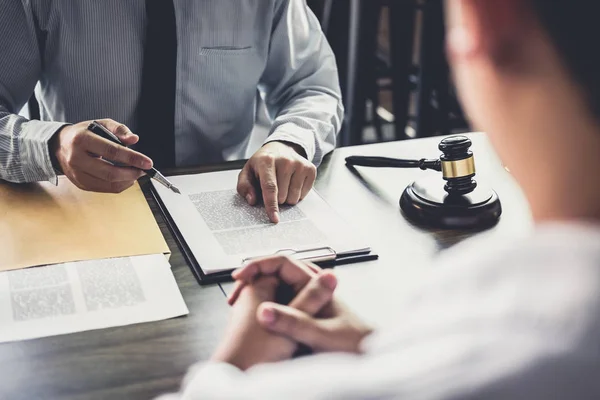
[(325, 257)]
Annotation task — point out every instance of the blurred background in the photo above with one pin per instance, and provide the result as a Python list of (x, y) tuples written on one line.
[(393, 71)]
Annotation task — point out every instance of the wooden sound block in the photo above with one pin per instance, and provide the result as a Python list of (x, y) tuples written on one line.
[(426, 203)]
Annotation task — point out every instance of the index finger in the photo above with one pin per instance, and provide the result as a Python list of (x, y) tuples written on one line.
[(268, 186), (116, 153), (119, 129)]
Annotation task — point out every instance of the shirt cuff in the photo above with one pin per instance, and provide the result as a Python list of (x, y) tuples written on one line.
[(36, 163), (292, 133)]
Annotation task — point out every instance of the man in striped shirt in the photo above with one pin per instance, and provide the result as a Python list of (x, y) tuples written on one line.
[(185, 76)]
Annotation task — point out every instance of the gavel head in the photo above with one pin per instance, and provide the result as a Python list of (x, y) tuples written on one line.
[(458, 165)]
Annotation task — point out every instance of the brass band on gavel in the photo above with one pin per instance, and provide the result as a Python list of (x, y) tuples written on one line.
[(459, 168)]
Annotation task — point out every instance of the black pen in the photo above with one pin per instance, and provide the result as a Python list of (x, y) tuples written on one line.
[(153, 173)]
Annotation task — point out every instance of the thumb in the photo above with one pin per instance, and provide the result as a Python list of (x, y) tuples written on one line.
[(245, 186), (292, 323)]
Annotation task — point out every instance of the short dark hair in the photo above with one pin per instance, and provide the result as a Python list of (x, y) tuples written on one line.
[(574, 27)]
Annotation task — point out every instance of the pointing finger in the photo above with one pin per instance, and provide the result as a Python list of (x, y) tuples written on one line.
[(268, 185)]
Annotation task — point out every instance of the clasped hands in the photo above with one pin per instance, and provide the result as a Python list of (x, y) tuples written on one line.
[(263, 330)]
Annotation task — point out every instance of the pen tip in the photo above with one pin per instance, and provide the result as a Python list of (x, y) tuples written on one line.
[(173, 188)]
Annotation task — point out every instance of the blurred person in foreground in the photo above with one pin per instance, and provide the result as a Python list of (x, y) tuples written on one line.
[(509, 320)]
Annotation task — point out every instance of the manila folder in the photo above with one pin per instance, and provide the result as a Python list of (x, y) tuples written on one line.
[(41, 223)]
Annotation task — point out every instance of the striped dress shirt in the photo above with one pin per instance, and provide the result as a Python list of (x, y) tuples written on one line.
[(84, 60)]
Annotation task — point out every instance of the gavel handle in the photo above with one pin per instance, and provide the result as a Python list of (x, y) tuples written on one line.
[(385, 162)]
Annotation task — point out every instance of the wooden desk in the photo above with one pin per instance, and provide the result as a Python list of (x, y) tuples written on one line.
[(144, 360)]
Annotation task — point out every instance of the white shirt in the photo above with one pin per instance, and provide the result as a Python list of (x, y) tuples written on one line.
[(512, 320), (86, 58)]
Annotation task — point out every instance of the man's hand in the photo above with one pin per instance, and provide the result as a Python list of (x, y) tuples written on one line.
[(247, 343), (323, 325), (280, 173), (81, 156)]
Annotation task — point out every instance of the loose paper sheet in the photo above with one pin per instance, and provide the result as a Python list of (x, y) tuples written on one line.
[(74, 297), (222, 230), (44, 224)]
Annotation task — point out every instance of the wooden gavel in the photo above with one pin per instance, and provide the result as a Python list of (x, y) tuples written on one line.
[(461, 205), (456, 164)]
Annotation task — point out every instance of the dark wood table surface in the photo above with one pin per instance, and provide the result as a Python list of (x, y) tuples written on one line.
[(144, 360)]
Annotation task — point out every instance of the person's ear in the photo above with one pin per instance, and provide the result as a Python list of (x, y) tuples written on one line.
[(491, 29)]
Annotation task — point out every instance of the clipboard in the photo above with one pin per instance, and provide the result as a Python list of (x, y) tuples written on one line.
[(325, 257)]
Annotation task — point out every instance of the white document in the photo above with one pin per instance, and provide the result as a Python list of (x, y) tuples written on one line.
[(223, 231), (80, 296)]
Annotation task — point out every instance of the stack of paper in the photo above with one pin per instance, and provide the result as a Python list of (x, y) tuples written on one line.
[(76, 260), (73, 297)]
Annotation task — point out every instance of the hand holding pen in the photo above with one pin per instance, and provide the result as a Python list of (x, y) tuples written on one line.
[(81, 155)]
